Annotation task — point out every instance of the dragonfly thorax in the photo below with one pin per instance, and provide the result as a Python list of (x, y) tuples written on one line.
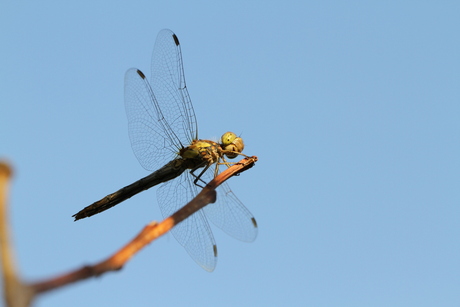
[(202, 151)]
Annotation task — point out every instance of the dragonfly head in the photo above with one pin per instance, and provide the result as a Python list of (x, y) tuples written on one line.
[(231, 144)]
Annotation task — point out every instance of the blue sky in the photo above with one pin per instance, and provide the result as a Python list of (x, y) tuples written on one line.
[(352, 108)]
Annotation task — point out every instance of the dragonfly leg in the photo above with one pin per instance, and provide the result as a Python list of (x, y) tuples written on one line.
[(198, 178), (231, 152), (228, 164)]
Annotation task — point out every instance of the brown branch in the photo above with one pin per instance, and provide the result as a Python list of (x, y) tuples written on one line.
[(150, 232), (15, 292)]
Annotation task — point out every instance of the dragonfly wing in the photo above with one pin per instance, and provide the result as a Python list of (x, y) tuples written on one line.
[(194, 233), (149, 139), (168, 84), (229, 213), (161, 119)]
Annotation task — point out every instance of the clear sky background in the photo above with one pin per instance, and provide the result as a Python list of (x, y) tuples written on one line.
[(352, 108)]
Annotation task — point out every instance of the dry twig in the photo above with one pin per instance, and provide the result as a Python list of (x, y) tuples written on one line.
[(15, 292), (150, 232)]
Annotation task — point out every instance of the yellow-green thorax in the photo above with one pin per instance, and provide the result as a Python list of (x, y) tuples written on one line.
[(202, 151)]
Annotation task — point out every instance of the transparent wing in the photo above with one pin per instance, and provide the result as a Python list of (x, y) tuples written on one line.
[(229, 213), (161, 119), (148, 131), (168, 84), (194, 233)]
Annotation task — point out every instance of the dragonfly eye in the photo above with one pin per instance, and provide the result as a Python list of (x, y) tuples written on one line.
[(235, 147), (228, 138)]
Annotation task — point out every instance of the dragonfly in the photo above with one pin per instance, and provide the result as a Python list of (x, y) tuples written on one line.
[(162, 127)]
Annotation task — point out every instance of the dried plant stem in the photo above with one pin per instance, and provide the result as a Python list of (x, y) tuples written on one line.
[(15, 292), (149, 233)]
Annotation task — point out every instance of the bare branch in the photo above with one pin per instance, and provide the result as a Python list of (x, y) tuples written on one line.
[(15, 292), (150, 232)]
